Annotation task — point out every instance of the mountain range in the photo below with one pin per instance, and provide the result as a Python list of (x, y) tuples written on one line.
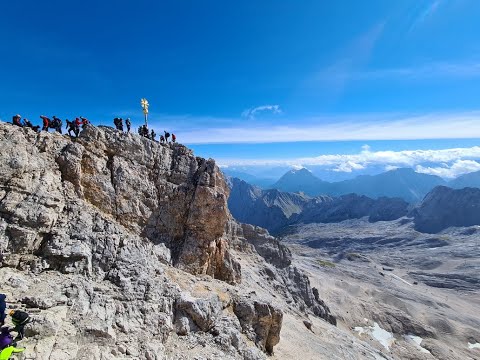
[(404, 183), (274, 209)]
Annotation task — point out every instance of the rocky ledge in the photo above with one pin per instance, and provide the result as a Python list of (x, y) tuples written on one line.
[(122, 247)]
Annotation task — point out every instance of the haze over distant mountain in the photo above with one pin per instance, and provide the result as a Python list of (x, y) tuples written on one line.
[(274, 209), (302, 180), (404, 183), (251, 179), (466, 180)]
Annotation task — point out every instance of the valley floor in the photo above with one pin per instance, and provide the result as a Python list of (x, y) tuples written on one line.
[(409, 295)]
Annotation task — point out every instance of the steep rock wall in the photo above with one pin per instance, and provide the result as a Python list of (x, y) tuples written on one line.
[(52, 186)]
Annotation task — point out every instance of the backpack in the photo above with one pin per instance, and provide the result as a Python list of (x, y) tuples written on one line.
[(167, 134), (20, 317)]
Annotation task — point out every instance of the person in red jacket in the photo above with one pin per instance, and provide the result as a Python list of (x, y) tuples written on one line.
[(85, 122), (46, 122), (174, 138)]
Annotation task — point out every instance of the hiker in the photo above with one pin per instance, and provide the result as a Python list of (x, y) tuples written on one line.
[(143, 131), (174, 138), (72, 126), (46, 122), (152, 135), (27, 123), (56, 124), (118, 123), (128, 123), (85, 122), (20, 319), (162, 139), (78, 122), (16, 120), (167, 135), (7, 352), (3, 306)]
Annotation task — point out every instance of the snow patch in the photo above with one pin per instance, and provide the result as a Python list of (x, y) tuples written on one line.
[(417, 341), (382, 336), (474, 346)]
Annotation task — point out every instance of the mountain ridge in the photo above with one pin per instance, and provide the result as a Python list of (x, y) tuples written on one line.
[(404, 183), (274, 209)]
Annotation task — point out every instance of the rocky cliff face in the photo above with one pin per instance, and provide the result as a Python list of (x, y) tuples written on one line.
[(444, 207), (125, 248)]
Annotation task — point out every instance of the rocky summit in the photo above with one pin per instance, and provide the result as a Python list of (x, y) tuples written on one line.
[(123, 248)]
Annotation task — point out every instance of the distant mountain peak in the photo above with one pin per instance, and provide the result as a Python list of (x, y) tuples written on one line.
[(405, 183), (301, 171)]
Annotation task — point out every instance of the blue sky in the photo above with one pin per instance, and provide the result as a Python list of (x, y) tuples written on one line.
[(252, 71)]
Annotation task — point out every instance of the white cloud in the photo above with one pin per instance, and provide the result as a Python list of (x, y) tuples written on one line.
[(348, 166), (391, 167), (297, 167), (250, 113), (374, 127), (455, 161), (454, 170)]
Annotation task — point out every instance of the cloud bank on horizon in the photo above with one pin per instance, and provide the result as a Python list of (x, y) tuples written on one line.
[(446, 163)]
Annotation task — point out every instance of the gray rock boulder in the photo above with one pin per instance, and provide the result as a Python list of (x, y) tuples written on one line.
[(259, 320)]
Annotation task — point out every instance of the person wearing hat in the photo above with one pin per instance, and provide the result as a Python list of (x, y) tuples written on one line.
[(19, 319)]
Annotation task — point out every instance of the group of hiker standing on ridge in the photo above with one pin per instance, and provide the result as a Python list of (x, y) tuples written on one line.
[(53, 123), (19, 318), (80, 123), (143, 131)]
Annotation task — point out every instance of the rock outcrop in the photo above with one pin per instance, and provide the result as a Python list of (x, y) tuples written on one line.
[(110, 238), (444, 207)]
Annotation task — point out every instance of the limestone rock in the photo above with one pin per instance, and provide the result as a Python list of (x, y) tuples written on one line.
[(203, 312), (262, 321), (101, 236)]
